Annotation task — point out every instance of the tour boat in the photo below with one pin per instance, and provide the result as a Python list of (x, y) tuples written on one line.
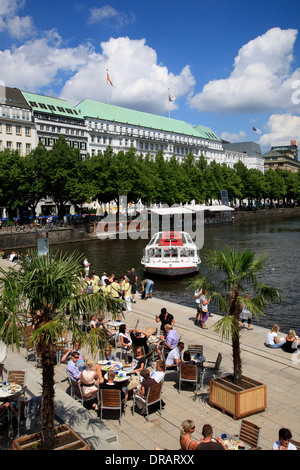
[(171, 254)]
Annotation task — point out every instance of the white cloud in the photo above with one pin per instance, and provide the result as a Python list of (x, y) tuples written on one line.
[(261, 79), (139, 81), (17, 27), (108, 13), (234, 137), (280, 128)]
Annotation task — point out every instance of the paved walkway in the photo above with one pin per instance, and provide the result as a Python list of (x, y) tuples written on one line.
[(272, 367)]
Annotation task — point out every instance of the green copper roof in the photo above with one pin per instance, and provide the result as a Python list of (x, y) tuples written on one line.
[(107, 112), (47, 104)]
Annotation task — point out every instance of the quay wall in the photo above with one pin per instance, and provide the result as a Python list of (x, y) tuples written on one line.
[(13, 238)]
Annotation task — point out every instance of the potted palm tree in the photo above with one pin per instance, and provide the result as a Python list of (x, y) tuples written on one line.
[(40, 291), (237, 273)]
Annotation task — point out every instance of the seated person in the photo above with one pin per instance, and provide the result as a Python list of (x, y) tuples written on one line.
[(90, 379), (292, 342), (186, 431), (108, 354), (146, 382), (158, 374), (137, 364), (72, 369), (206, 442), (170, 341), (112, 385), (81, 361), (186, 358), (174, 357), (124, 338), (140, 338), (284, 441)]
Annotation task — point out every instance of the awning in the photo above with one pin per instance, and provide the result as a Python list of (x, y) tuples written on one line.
[(214, 208), (170, 210)]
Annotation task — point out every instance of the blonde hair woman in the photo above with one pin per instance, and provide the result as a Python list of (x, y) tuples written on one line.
[(272, 338), (292, 342), (186, 431), (89, 376)]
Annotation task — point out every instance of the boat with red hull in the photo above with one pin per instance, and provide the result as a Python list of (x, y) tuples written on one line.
[(171, 254)]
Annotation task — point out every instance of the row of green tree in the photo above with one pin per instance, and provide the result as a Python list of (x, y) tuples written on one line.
[(63, 176)]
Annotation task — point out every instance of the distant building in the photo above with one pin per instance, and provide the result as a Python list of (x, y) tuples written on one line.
[(17, 128), (249, 153), (54, 117), (283, 156)]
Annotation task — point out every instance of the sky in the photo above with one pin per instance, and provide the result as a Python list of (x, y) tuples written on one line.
[(231, 65)]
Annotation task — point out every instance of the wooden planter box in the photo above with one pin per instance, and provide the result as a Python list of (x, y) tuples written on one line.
[(240, 400), (65, 437)]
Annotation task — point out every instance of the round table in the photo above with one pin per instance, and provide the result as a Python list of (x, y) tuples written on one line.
[(119, 378), (7, 392), (110, 365), (114, 324)]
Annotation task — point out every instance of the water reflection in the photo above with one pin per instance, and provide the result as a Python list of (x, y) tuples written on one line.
[(278, 237)]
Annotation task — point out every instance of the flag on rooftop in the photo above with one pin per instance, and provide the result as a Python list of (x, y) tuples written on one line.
[(256, 130), (172, 97), (108, 79)]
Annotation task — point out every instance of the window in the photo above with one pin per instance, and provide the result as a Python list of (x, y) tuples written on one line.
[(27, 131), (8, 129), (28, 149), (18, 130), (19, 147), (9, 145)]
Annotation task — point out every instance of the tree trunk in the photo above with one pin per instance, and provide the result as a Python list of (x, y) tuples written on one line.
[(48, 362), (236, 351)]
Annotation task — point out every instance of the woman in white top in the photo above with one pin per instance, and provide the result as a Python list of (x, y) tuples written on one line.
[(124, 337), (284, 441), (272, 338)]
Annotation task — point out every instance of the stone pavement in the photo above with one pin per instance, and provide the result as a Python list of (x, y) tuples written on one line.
[(275, 368)]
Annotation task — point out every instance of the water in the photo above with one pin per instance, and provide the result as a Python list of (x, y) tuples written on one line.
[(280, 238)]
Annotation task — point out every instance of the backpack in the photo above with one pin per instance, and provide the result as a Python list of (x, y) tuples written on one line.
[(90, 289)]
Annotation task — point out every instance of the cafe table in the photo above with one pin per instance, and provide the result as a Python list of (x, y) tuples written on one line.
[(232, 442), (114, 325), (9, 390), (120, 376), (110, 365)]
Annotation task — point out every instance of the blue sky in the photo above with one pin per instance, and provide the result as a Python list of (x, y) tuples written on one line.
[(231, 64)]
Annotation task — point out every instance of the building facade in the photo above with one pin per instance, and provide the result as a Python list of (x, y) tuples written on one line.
[(247, 152), (17, 127)]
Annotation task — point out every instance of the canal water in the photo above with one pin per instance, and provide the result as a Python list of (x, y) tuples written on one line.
[(279, 238)]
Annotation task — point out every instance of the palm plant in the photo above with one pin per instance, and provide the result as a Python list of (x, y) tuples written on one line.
[(39, 292), (238, 275)]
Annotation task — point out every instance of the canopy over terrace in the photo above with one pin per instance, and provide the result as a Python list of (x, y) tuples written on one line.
[(188, 208)]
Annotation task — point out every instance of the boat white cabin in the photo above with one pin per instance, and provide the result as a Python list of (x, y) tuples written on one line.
[(172, 254)]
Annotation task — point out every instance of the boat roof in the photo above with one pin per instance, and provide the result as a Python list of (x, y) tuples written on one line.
[(175, 238)]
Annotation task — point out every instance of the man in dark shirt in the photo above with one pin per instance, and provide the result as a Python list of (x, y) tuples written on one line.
[(206, 443), (132, 278), (165, 318)]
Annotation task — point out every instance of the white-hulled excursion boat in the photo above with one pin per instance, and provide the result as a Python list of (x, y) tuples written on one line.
[(171, 254)]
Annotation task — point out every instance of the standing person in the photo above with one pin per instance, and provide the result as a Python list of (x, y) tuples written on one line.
[(95, 281), (126, 288), (245, 315), (147, 289), (206, 442), (204, 314), (165, 318), (86, 265), (103, 277), (197, 297), (272, 338), (115, 288), (186, 431), (132, 278)]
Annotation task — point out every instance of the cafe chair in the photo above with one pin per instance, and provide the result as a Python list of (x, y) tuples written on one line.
[(28, 412), (18, 377), (188, 373), (77, 393), (214, 367), (296, 443), (111, 400), (27, 332), (249, 433), (123, 350), (153, 396), (195, 349)]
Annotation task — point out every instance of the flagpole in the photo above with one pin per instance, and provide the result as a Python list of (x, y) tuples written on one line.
[(169, 102), (106, 86)]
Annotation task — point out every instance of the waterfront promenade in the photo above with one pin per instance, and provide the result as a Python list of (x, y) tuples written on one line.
[(272, 367)]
